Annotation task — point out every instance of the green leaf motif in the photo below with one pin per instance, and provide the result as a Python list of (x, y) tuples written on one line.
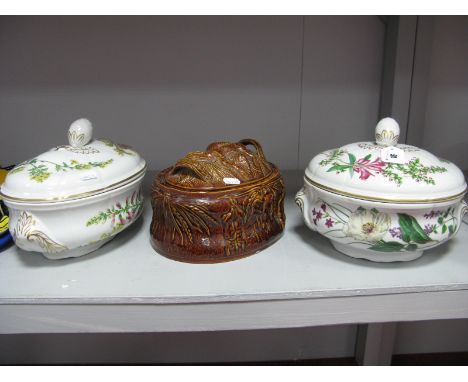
[(339, 167), (388, 246), (101, 217), (451, 229), (352, 158), (39, 173), (411, 230), (120, 213), (40, 170), (367, 157)]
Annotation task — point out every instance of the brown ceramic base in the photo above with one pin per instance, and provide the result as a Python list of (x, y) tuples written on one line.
[(217, 225), (192, 260)]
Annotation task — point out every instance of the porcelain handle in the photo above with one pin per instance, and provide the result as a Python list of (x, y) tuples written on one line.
[(80, 133), (302, 200), (29, 235), (463, 209)]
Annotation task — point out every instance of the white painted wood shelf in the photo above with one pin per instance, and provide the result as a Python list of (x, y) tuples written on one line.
[(299, 281)]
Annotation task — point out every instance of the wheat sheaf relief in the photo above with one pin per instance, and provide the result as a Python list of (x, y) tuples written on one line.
[(25, 230), (253, 217), (181, 220)]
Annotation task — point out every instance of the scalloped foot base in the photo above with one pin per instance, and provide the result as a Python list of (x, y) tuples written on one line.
[(376, 256), (77, 252)]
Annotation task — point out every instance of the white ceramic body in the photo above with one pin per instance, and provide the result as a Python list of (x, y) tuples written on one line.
[(76, 227), (379, 231)]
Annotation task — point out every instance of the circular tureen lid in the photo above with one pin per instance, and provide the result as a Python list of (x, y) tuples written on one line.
[(82, 168), (386, 171)]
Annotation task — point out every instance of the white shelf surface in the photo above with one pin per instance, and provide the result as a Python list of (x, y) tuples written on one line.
[(300, 280)]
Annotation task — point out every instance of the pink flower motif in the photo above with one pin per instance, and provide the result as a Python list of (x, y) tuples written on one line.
[(319, 215), (364, 167), (122, 220), (329, 223), (315, 221), (323, 207), (314, 212)]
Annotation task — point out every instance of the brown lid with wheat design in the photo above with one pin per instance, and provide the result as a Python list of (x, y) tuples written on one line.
[(83, 167), (222, 164), (387, 171)]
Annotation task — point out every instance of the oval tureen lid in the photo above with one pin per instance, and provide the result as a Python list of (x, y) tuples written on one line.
[(82, 168), (221, 165), (386, 171)]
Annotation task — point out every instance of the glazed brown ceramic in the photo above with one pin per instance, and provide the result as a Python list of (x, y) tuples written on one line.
[(198, 218)]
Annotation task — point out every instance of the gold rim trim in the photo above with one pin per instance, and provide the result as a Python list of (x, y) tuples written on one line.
[(76, 196), (384, 200)]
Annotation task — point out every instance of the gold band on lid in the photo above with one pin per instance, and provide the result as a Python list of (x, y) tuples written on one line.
[(76, 196)]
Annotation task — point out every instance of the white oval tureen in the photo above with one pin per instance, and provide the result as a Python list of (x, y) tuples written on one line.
[(383, 201), (72, 199)]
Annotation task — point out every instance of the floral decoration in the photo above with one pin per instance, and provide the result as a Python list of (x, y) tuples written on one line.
[(40, 170), (368, 166), (368, 225), (374, 228), (119, 215), (446, 221), (118, 148)]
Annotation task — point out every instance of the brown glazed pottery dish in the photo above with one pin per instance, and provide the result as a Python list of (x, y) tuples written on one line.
[(217, 205)]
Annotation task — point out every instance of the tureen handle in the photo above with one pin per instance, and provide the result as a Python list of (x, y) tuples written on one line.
[(80, 132), (29, 235), (462, 210), (387, 132), (254, 143), (304, 198)]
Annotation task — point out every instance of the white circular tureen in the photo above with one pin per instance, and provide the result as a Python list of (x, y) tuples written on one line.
[(383, 201), (72, 199)]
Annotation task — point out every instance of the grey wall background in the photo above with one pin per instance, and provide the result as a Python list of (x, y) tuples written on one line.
[(446, 117), (167, 85), (342, 70)]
